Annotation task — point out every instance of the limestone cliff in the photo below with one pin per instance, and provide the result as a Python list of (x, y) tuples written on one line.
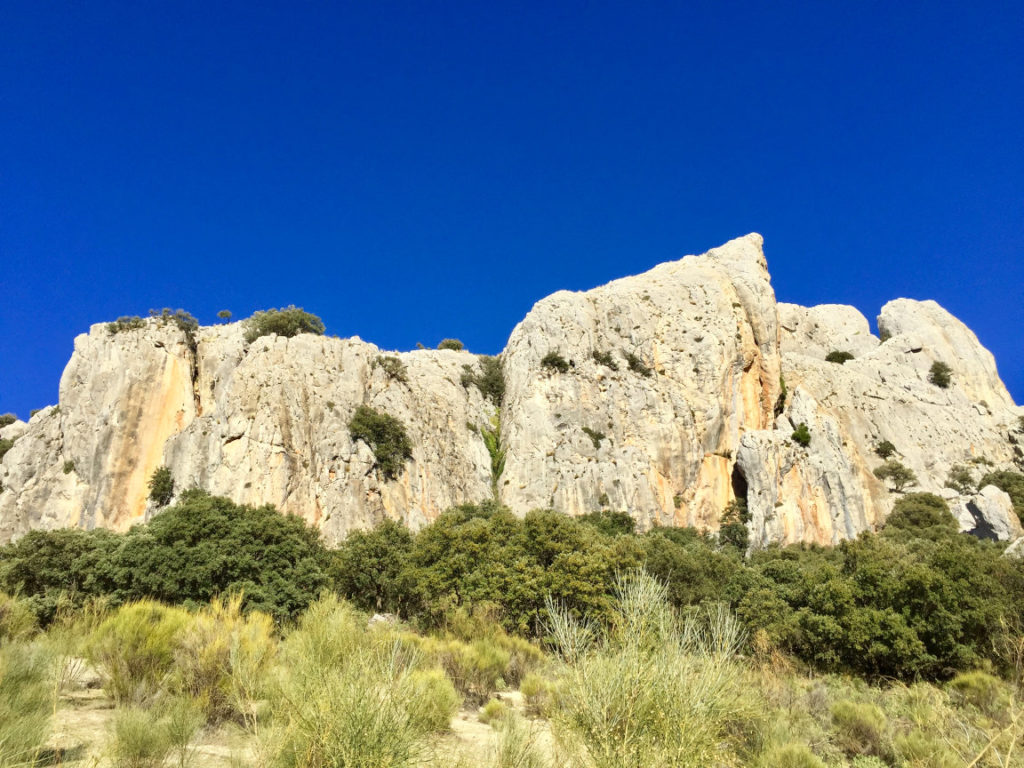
[(657, 394)]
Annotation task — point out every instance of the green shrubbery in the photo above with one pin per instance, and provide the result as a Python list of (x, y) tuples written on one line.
[(802, 435), (940, 374), (1010, 482), (26, 702), (896, 473), (452, 344), (636, 364), (161, 486), (386, 437), (126, 323), (288, 321), (202, 547), (839, 357), (553, 361), (393, 368), (489, 378)]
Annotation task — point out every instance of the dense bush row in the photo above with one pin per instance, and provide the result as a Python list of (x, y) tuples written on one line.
[(917, 600)]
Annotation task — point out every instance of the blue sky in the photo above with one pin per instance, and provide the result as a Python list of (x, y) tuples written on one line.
[(412, 171)]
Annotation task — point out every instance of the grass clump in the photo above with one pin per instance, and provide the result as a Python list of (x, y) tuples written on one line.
[(518, 745), (147, 738), (651, 689), (386, 437), (347, 696), (288, 322), (221, 659), (492, 712), (17, 620), (860, 728), (26, 702), (133, 650)]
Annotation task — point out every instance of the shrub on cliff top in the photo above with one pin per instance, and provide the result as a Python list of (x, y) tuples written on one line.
[(287, 322)]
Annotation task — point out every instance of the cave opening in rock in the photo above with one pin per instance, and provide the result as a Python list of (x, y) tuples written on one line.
[(739, 483)]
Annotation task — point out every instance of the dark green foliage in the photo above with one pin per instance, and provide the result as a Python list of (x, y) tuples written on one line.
[(802, 435), (897, 474), (207, 545), (5, 446), (393, 368), (201, 547), (635, 364), (920, 512), (605, 359), (62, 567), (835, 356), (595, 436), (609, 523), (69, 467), (940, 375), (960, 479), (224, 314), (1010, 482), (732, 530), (370, 568), (182, 319), (7, 419), (386, 437), (289, 321), (553, 361), (452, 344), (492, 439), (489, 378), (885, 449), (161, 486)]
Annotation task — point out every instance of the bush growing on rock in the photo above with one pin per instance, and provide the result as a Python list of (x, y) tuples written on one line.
[(5, 446), (839, 357), (802, 435), (940, 375), (7, 419), (288, 322), (125, 323), (885, 449), (921, 512), (489, 378), (386, 437), (553, 361), (453, 344)]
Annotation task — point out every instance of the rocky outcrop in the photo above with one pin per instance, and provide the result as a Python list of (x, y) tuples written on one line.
[(660, 394)]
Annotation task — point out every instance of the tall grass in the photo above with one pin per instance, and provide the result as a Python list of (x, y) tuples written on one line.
[(349, 697), (133, 649), (221, 659), (652, 689), (26, 702), (149, 738)]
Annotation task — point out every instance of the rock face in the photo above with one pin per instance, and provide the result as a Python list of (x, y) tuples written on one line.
[(659, 394)]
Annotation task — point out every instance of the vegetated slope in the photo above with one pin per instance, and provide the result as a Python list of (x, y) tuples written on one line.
[(669, 395)]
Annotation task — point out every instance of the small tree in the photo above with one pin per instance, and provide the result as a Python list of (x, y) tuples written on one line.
[(836, 356), (161, 486), (802, 435), (940, 375), (733, 531), (453, 344), (224, 314), (885, 449), (7, 419), (917, 511), (386, 437), (895, 473)]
